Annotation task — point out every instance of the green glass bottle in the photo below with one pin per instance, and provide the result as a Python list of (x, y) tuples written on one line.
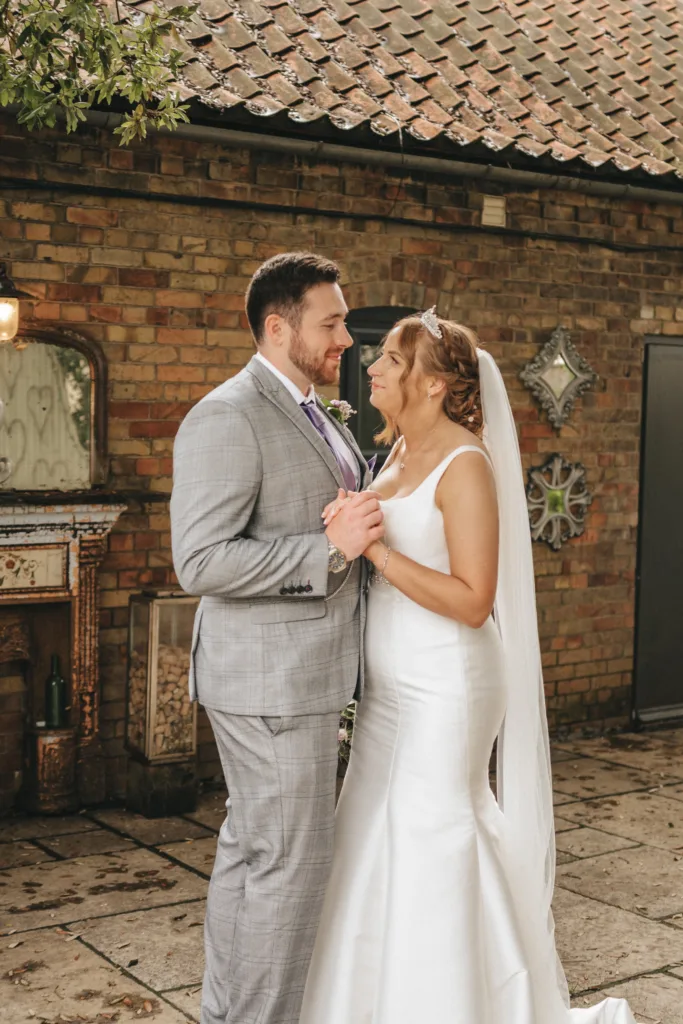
[(55, 697)]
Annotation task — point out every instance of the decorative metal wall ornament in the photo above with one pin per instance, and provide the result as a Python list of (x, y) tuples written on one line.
[(557, 499), (557, 376)]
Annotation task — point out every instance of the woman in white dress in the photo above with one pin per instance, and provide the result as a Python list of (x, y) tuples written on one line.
[(438, 907)]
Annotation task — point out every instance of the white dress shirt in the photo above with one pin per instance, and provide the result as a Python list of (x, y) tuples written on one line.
[(335, 439)]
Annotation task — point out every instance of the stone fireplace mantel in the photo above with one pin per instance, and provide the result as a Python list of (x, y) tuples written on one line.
[(51, 553)]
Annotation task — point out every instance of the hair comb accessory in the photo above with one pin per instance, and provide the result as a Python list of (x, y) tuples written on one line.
[(431, 322)]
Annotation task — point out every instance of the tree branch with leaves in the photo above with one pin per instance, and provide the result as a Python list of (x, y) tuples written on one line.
[(60, 58)]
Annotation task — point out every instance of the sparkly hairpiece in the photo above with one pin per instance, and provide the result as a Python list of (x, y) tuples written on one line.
[(431, 322)]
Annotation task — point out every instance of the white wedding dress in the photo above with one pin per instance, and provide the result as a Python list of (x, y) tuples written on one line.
[(423, 923)]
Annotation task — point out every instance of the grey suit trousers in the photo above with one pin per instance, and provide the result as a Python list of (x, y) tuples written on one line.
[(272, 864)]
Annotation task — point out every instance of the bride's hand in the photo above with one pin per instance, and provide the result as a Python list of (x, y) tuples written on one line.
[(331, 510)]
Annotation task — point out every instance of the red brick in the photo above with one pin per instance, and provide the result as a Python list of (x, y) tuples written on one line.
[(154, 428), (136, 278), (91, 217)]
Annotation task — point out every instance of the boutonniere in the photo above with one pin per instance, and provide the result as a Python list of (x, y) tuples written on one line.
[(338, 408)]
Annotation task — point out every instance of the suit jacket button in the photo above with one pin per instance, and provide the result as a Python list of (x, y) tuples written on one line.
[(291, 590), (300, 589), (308, 588), (283, 591)]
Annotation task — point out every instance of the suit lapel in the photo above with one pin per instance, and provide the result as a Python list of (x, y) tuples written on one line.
[(272, 389), (349, 439)]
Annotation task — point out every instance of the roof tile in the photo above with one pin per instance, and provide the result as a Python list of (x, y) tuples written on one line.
[(460, 54), (442, 93), (452, 74), (221, 57), (595, 80), (434, 112), (214, 10), (426, 48), (337, 77), (199, 76), (241, 83), (436, 28), (375, 83), (341, 10), (387, 64), (232, 34), (257, 62), (251, 11), (326, 28), (350, 55), (289, 21), (362, 35), (313, 49), (371, 16), (305, 71), (410, 89), (324, 97)]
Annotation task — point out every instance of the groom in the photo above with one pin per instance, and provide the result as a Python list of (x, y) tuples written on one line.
[(276, 651)]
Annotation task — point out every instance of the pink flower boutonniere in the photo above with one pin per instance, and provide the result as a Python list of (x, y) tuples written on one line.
[(338, 408)]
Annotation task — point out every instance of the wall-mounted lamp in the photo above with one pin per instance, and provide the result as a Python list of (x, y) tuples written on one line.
[(9, 305)]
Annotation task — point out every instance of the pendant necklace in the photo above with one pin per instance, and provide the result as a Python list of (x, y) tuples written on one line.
[(401, 464)]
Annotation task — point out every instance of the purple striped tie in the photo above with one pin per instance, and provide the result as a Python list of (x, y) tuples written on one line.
[(319, 422)]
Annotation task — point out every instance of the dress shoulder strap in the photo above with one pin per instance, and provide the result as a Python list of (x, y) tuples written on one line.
[(445, 463)]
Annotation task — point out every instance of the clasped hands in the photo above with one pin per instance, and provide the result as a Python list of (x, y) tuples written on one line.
[(354, 522)]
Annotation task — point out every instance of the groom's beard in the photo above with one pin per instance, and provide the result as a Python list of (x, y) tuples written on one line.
[(314, 369)]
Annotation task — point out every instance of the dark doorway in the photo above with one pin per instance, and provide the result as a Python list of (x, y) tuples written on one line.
[(658, 691), (367, 327)]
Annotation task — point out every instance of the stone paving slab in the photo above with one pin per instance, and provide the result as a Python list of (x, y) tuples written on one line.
[(655, 998), (588, 842), (64, 980), (588, 777), (151, 831), (42, 827), (188, 1000), (564, 826), (14, 855), (87, 844), (61, 891), (600, 945), (198, 853), (643, 817), (649, 751), (162, 948), (643, 880), (210, 809)]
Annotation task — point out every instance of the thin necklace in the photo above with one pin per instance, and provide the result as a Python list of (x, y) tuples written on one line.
[(419, 448)]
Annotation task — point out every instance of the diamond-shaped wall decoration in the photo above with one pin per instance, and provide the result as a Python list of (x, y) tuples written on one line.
[(557, 376), (557, 500)]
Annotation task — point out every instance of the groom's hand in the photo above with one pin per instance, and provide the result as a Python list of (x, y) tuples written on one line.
[(358, 523)]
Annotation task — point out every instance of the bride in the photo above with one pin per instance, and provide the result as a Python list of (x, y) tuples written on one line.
[(438, 907)]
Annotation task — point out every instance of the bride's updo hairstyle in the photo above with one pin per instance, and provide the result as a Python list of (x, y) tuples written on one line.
[(451, 358)]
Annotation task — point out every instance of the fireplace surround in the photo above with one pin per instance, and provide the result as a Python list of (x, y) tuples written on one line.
[(50, 551)]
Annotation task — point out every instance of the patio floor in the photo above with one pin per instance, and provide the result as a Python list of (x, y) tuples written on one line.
[(101, 913)]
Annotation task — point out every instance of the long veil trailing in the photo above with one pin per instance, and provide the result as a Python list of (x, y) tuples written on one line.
[(524, 778)]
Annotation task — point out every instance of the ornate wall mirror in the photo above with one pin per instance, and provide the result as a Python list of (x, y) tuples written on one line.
[(53, 393), (557, 376)]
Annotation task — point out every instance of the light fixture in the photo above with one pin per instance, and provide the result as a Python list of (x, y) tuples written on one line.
[(9, 305)]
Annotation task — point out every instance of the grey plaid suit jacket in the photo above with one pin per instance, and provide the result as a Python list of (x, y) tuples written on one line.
[(274, 633)]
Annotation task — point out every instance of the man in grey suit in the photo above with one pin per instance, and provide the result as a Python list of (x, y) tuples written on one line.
[(277, 646)]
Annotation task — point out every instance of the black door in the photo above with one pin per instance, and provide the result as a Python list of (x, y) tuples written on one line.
[(367, 328), (659, 602)]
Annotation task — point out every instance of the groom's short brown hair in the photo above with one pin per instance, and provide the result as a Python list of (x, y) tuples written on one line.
[(280, 284)]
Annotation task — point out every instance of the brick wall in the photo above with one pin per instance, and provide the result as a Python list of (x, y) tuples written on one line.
[(160, 286)]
